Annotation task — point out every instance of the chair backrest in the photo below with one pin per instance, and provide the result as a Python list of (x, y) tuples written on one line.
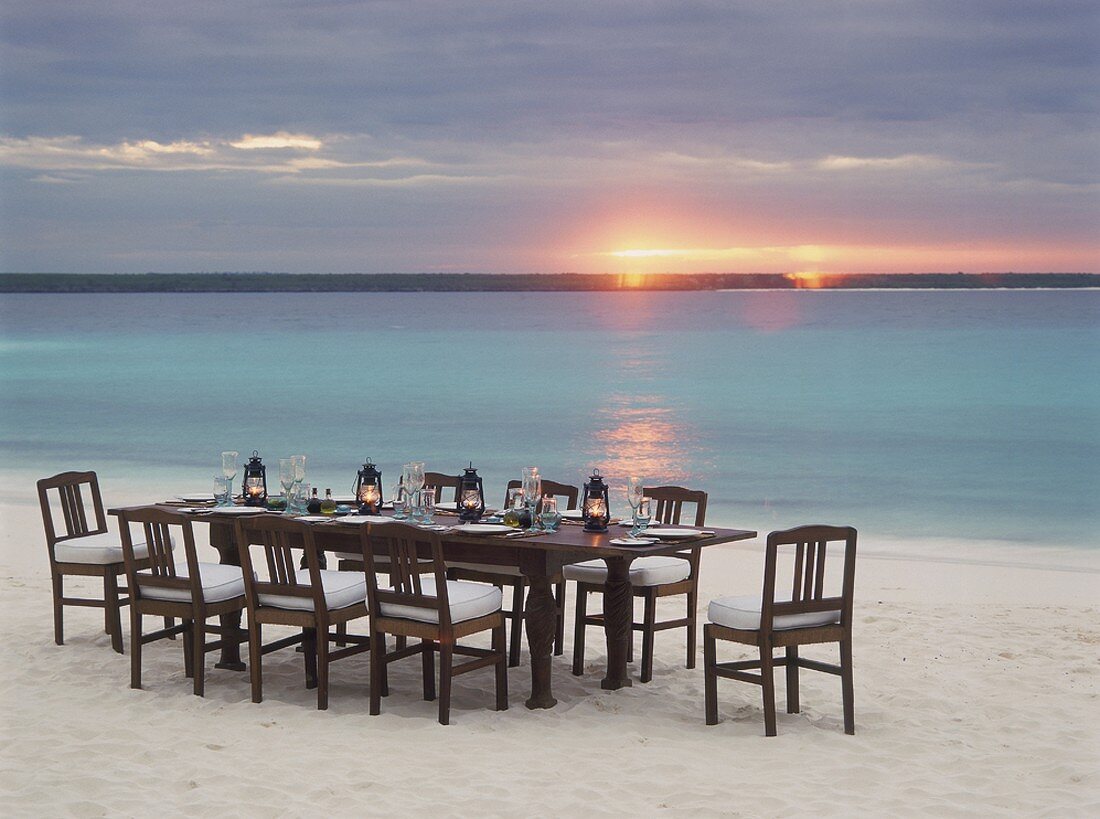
[(406, 548), (808, 586), (552, 488), (157, 526), (439, 481), (670, 503), (277, 538), (75, 490)]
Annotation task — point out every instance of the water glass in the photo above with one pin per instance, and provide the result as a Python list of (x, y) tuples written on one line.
[(400, 503), (642, 515), (221, 490), (532, 490), (229, 468), (427, 505), (633, 492), (549, 516)]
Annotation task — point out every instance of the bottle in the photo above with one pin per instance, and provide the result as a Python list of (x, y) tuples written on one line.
[(328, 505), (314, 505)]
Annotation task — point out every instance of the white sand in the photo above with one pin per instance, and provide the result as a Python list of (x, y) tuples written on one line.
[(976, 693)]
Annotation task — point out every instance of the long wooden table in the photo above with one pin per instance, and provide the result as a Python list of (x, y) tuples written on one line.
[(540, 558)]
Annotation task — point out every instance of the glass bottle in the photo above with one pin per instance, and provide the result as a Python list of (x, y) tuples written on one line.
[(328, 505), (314, 505)]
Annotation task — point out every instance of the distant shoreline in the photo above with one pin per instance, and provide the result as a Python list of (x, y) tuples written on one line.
[(543, 282)]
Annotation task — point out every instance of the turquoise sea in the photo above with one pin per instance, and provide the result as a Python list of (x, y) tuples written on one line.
[(908, 414)]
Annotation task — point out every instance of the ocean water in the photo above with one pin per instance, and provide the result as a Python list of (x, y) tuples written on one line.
[(908, 414)]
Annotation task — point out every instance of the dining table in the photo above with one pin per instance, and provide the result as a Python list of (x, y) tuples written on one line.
[(539, 556)]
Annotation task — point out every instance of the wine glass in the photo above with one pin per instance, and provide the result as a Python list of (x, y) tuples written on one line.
[(299, 476), (400, 496), (532, 491), (642, 516), (286, 480), (633, 494), (229, 470), (427, 505)]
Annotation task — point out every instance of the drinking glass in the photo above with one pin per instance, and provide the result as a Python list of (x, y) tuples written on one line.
[(286, 481), (532, 490), (642, 515), (302, 491), (633, 493), (400, 502), (427, 505), (221, 490), (549, 517), (229, 470), (299, 476)]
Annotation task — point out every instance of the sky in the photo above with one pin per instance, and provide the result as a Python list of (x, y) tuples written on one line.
[(867, 136)]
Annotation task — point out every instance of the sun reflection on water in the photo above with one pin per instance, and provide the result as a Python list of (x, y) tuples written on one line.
[(635, 435)]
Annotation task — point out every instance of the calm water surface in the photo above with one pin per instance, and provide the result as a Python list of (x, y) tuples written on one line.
[(906, 414)]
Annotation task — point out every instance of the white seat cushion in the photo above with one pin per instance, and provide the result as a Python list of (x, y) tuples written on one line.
[(743, 613), (342, 589), (467, 601), (219, 582), (644, 571), (101, 549), (510, 571), (349, 556)]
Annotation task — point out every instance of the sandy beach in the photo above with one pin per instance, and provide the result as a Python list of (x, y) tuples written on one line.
[(977, 693)]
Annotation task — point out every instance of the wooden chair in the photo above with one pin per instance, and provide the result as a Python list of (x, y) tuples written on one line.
[(192, 592), (86, 549), (501, 576), (651, 578), (441, 482), (431, 609), (311, 599), (805, 617)]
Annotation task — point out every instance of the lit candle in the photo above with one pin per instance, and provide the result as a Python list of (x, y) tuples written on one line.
[(471, 499)]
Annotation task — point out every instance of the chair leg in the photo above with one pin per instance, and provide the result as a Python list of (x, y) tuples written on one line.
[(517, 621), (341, 633), (578, 630), (427, 648), (111, 614), (309, 643), (446, 658), (188, 648), (710, 678), (692, 632), (649, 628), (792, 680), (135, 647), (321, 654), (767, 674), (559, 632), (499, 644), (255, 644), (198, 655), (377, 663), (168, 623), (847, 687), (58, 582)]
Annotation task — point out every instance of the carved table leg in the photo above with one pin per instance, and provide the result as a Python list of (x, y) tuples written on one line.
[(540, 615), (221, 538), (618, 614)]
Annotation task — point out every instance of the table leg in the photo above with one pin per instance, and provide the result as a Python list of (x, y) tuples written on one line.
[(540, 616), (618, 614), (221, 538)]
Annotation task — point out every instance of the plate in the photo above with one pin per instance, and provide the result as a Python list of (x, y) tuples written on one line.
[(634, 541), (237, 510), (197, 497), (672, 533), (483, 529), (314, 519), (356, 520)]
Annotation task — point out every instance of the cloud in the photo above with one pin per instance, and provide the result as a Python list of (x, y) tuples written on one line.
[(253, 142)]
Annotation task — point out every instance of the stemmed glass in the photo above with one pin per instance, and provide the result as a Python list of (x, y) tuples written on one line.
[(229, 470), (549, 516), (633, 497), (532, 491), (287, 480), (427, 505), (642, 516)]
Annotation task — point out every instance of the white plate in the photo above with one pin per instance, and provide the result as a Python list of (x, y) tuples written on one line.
[(314, 518), (572, 514), (197, 497), (356, 520), (634, 541), (236, 510), (672, 533), (483, 529)]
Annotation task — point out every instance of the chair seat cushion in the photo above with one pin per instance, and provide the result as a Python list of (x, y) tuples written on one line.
[(342, 589), (487, 568), (743, 613), (655, 570), (349, 556), (101, 549), (219, 582), (467, 601)]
